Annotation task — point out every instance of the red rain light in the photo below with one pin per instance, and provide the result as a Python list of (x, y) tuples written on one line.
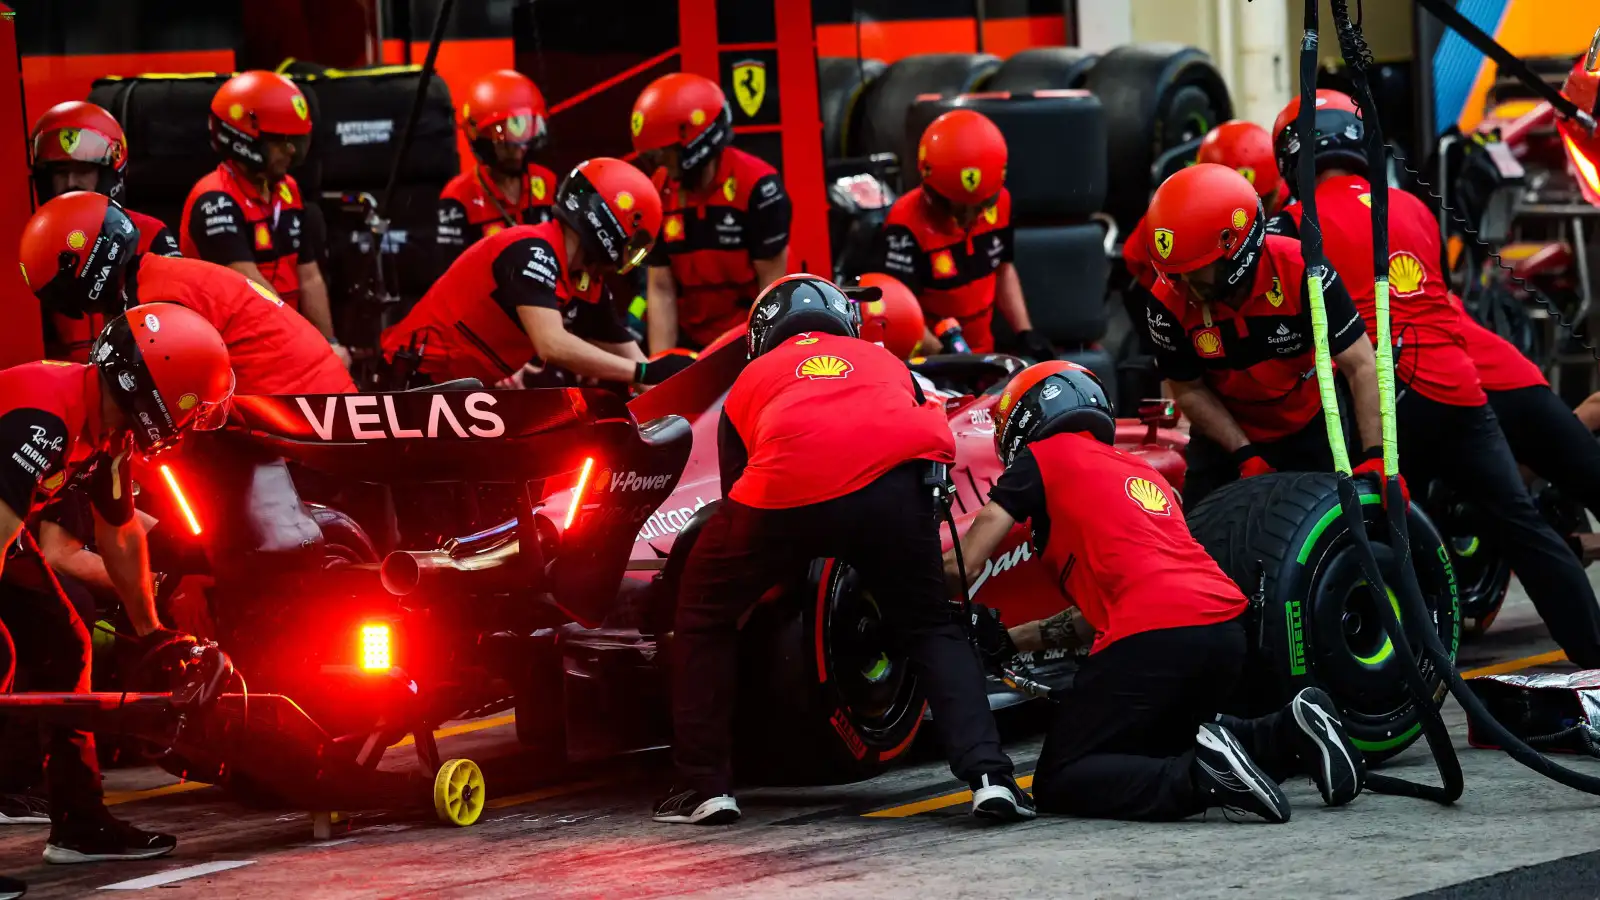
[(183, 502), (375, 655), (578, 492)]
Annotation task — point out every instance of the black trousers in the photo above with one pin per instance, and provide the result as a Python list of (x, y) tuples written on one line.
[(22, 742), (1464, 447), (1121, 743), (1546, 437), (1211, 467), (43, 638), (887, 531)]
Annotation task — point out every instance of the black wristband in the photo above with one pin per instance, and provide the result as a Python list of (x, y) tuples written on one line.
[(1372, 453), (1248, 451)]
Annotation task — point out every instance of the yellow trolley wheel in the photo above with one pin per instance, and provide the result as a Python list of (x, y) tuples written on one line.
[(458, 792)]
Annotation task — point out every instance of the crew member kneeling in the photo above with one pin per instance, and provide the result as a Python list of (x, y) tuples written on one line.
[(159, 371), (1138, 736), (1231, 324), (825, 446), (544, 284)]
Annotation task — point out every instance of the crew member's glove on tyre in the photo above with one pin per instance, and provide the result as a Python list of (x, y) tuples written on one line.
[(1250, 463), (663, 366), (1034, 346), (1371, 469), (993, 640)]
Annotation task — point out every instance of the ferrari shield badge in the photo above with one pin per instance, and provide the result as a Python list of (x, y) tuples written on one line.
[(971, 178), (1162, 238), (1275, 293), (69, 139), (750, 85)]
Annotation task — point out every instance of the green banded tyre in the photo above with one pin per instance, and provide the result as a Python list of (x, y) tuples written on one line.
[(1284, 533)]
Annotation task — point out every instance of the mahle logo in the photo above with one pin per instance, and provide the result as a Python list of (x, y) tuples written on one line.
[(1297, 638)]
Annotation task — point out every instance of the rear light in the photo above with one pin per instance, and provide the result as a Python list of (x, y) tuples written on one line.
[(375, 648), (177, 494), (1587, 169), (578, 492)]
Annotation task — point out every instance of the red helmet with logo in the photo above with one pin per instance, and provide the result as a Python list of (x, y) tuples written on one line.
[(254, 109), (614, 209), (1583, 148), (167, 369), (1246, 148), (683, 112), (504, 109), (1337, 132), (1207, 214), (78, 132), (1050, 398), (75, 251), (894, 319), (962, 158)]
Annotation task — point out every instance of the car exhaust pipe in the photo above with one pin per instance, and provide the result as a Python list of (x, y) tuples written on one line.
[(405, 572)]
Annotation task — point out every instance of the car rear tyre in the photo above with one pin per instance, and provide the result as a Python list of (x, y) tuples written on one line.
[(885, 103), (1285, 533), (841, 81), (1044, 69)]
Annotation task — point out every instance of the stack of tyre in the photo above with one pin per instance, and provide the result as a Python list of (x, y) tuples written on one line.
[(1086, 134)]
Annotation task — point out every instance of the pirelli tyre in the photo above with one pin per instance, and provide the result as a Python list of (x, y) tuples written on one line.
[(824, 696), (1483, 576), (1284, 534), (1156, 96), (886, 102), (1044, 69), (841, 80)]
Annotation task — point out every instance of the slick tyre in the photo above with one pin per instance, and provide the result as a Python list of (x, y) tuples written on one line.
[(830, 700), (887, 100), (841, 80), (1284, 533)]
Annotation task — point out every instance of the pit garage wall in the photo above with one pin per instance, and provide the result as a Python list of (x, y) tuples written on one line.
[(20, 338)]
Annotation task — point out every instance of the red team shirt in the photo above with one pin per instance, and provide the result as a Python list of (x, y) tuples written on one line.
[(74, 336), (50, 420), (1501, 366), (952, 272), (471, 207), (225, 221), (1115, 539), (821, 416), (1431, 354), (1136, 255)]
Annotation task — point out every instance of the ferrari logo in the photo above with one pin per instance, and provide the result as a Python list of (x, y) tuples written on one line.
[(944, 265), (991, 215), (517, 125), (636, 124), (1148, 495), (1275, 293), (69, 139), (284, 193), (971, 178), (672, 229), (299, 104), (537, 186), (1207, 342), (1249, 173), (1406, 274), (750, 85), (819, 368), (1366, 200), (263, 236), (1162, 239), (729, 188), (804, 341)]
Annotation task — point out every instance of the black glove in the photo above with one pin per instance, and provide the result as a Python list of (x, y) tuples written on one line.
[(1034, 346), (662, 367), (994, 641)]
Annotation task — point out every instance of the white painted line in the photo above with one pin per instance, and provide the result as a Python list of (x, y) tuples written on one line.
[(323, 845), (162, 878)]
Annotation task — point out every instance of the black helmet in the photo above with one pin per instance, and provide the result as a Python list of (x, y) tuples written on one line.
[(1339, 135), (799, 304), (1050, 398)]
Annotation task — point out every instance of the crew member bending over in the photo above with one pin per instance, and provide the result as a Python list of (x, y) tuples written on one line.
[(725, 235), (949, 239), (826, 445), (1231, 325), (1138, 736), (541, 288)]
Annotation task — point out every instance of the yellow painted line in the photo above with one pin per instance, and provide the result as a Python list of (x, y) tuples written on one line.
[(547, 793), (932, 803), (115, 797), (463, 728), (1517, 665)]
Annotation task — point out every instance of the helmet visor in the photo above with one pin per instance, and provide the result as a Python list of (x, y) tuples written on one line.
[(75, 145), (604, 234)]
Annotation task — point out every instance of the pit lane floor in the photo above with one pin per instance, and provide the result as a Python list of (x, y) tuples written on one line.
[(585, 833)]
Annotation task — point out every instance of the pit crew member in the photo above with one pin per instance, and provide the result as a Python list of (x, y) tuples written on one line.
[(248, 214), (826, 447), (160, 370), (725, 235), (949, 239), (1446, 426), (79, 257), (1231, 325), (78, 146), (540, 289), (1138, 736), (894, 320), (505, 121)]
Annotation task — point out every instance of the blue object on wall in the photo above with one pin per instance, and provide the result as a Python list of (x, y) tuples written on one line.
[(1456, 63)]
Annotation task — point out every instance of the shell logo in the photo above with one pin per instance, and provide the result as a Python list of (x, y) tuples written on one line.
[(818, 368), (971, 178), (236, 112), (54, 481), (636, 124), (1248, 172), (874, 307), (537, 186), (624, 201), (188, 402), (1148, 495), (673, 229), (1207, 343), (76, 240), (1005, 401), (263, 236), (1406, 274), (1240, 219), (944, 263), (697, 117)]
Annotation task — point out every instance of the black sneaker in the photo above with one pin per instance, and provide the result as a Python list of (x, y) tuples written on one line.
[(1336, 765), (999, 797), (1230, 779), (691, 807), (107, 839), (11, 888), (24, 809)]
